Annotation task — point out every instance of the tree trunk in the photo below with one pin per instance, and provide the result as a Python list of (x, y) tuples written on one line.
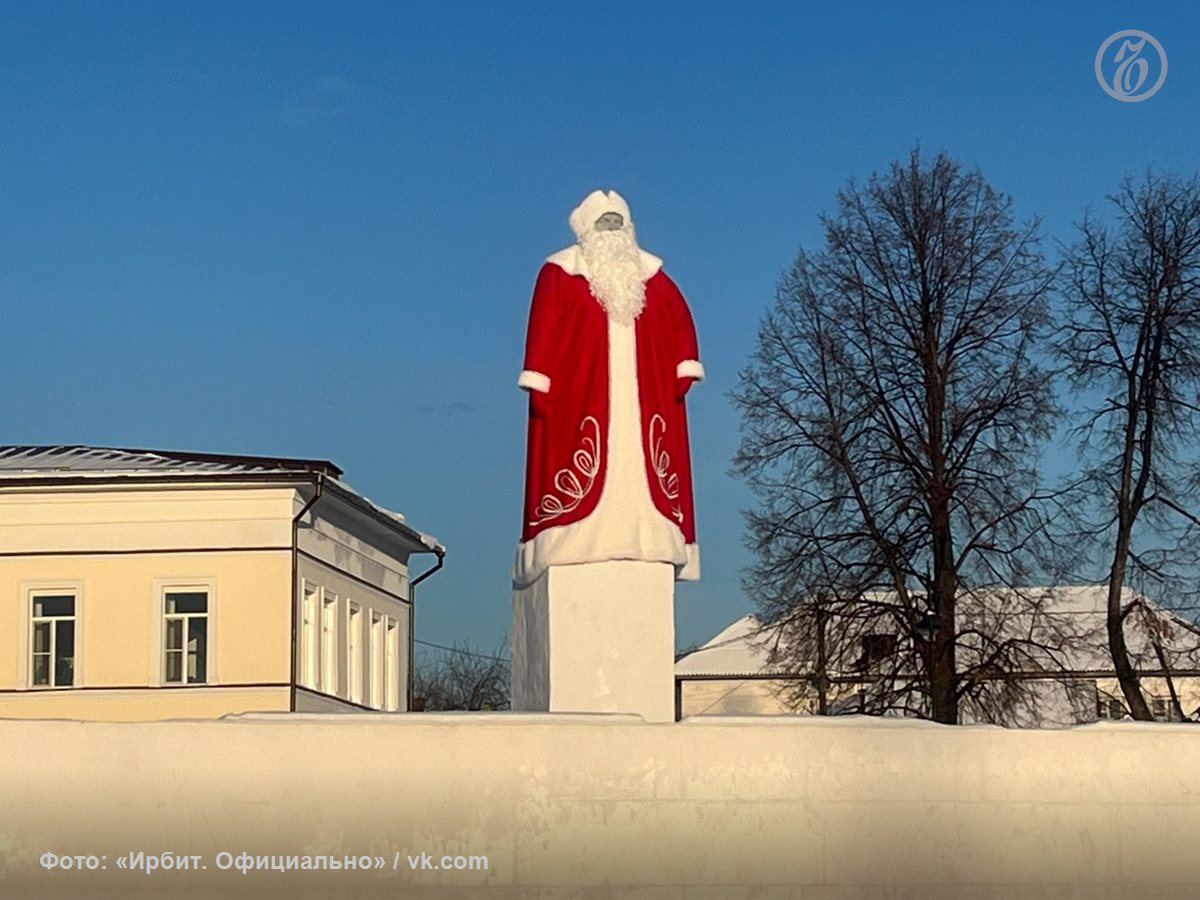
[(943, 670), (1126, 675), (943, 675)]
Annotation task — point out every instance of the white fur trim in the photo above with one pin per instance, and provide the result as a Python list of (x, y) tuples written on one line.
[(584, 542), (536, 556), (570, 260), (534, 381), (690, 368), (690, 570), (597, 203)]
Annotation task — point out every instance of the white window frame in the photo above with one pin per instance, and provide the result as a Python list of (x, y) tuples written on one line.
[(185, 619), (158, 631), (1106, 705), (29, 590), (354, 655), (377, 672), (328, 642), (309, 614), (1163, 709), (391, 639)]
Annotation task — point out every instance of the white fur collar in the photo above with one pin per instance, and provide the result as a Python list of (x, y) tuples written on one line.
[(570, 260)]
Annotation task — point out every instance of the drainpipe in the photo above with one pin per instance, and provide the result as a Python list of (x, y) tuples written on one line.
[(319, 484), (412, 596)]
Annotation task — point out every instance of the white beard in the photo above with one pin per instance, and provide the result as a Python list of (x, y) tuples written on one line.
[(614, 272)]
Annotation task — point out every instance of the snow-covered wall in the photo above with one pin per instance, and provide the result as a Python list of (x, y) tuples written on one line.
[(598, 807)]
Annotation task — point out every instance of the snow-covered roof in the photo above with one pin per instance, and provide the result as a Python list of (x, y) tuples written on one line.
[(1076, 611), (742, 648), (1079, 614), (74, 463)]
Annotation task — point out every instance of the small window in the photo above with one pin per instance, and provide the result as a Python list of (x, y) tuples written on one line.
[(308, 636), (1163, 709), (392, 665), (1109, 707), (377, 663), (52, 661), (329, 643), (354, 661), (185, 643), (876, 648)]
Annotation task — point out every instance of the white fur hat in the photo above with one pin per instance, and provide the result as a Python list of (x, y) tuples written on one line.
[(594, 205)]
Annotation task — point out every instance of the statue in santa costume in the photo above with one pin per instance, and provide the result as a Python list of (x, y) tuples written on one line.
[(610, 355)]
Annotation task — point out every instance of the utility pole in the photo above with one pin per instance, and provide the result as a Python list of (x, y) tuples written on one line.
[(822, 661)]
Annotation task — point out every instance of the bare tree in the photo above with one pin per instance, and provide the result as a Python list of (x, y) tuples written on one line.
[(460, 677), (1132, 338), (892, 415)]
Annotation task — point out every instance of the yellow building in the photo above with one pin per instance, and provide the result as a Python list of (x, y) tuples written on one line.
[(138, 584)]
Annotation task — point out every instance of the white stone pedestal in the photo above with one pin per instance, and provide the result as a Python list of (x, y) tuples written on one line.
[(596, 637)]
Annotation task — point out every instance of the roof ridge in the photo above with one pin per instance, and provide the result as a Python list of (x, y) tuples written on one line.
[(164, 458)]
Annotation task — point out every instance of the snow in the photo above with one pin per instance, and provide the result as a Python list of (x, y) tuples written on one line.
[(742, 648)]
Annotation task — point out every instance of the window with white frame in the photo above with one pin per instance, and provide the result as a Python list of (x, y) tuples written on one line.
[(185, 636), (377, 663), (1108, 706), (1163, 709), (329, 642), (308, 636), (52, 645), (392, 665), (354, 660)]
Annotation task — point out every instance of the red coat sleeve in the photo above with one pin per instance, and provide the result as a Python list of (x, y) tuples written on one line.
[(540, 337), (687, 351)]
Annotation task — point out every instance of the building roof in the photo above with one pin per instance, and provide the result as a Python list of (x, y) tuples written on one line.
[(75, 463), (1079, 611), (76, 459), (741, 648)]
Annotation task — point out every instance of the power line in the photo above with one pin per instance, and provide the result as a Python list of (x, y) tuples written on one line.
[(768, 630), (461, 650)]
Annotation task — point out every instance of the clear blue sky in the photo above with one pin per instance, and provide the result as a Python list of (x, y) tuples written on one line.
[(312, 229)]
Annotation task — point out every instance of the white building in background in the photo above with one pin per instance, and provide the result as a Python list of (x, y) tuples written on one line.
[(732, 673), (146, 584)]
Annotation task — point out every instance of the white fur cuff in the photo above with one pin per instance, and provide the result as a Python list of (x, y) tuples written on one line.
[(690, 368), (535, 381), (690, 570)]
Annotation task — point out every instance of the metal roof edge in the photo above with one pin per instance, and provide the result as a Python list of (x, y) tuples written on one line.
[(101, 478), (385, 517)]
